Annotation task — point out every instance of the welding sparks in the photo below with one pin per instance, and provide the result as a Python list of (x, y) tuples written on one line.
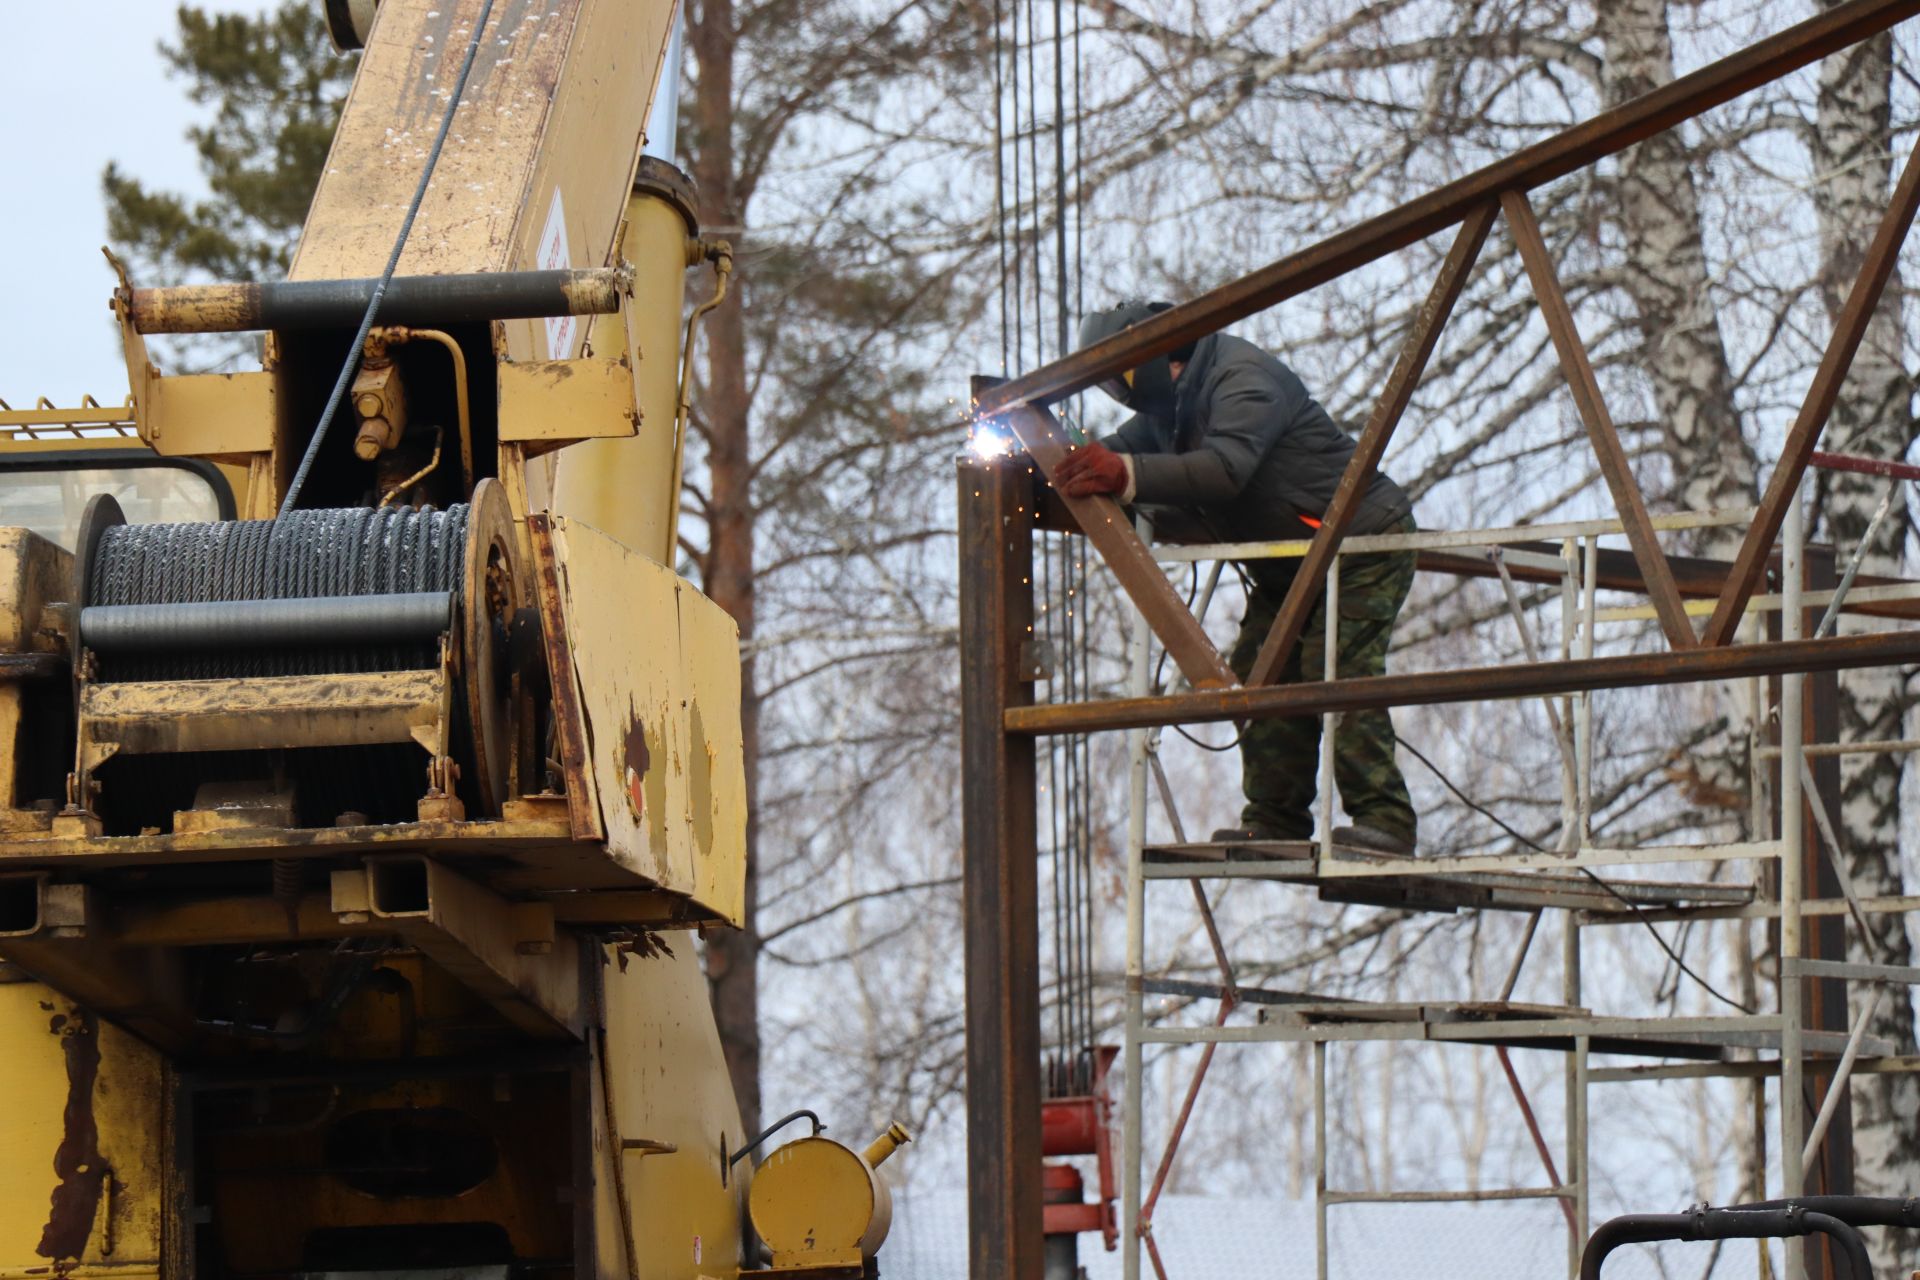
[(989, 441)]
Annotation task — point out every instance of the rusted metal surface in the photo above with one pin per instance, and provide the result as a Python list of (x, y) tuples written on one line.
[(1470, 684), (78, 1163), (509, 953), (409, 300), (1881, 257), (264, 712), (1612, 455), (583, 809), (1539, 1139), (1863, 466), (1000, 879), (1130, 559), (1308, 579), (1603, 135)]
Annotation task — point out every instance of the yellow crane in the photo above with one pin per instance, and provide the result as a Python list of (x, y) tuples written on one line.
[(366, 772)]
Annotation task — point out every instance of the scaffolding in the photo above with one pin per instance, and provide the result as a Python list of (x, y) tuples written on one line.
[(1807, 1040), (1560, 881)]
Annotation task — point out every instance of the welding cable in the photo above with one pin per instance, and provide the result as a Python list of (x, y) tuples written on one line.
[(354, 352), (1631, 906)]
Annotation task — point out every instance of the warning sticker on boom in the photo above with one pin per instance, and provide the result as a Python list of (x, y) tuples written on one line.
[(554, 256)]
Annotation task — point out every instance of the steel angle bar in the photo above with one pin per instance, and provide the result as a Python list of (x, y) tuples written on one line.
[(1767, 1069), (1814, 750), (1557, 1192), (1216, 991), (1851, 326), (1292, 869), (1587, 398), (1472, 684), (1837, 1087), (1905, 974), (1125, 553), (1603, 135), (1428, 322), (1895, 905), (1340, 869), (1659, 1028), (1457, 539)]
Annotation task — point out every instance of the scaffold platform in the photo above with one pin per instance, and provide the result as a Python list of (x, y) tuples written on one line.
[(1424, 889)]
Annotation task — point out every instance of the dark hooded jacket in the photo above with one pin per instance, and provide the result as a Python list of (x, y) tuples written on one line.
[(1247, 453)]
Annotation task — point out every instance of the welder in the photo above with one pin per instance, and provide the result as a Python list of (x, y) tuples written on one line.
[(1226, 445)]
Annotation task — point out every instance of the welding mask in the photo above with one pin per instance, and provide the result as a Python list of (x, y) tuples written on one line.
[(1146, 388)]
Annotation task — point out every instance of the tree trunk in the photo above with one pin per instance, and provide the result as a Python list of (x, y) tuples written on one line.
[(1665, 277), (1852, 180), (732, 957)]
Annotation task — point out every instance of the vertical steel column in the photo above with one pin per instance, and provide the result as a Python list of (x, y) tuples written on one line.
[(1576, 1105), (1826, 936), (1320, 1160), (1792, 848), (1139, 675), (1000, 875), (1330, 722)]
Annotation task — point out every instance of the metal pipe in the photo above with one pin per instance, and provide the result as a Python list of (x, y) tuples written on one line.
[(396, 334), (340, 304), (1841, 1074), (439, 438), (720, 253), (313, 620), (1724, 1224)]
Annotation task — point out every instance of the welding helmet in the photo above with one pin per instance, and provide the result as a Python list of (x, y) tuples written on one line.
[(1145, 388)]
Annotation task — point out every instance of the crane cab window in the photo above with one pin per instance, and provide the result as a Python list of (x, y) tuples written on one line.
[(47, 492)]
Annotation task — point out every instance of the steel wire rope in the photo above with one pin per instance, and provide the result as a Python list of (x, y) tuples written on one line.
[(352, 362)]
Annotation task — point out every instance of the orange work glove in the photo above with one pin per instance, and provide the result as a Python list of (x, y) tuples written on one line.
[(1089, 470)]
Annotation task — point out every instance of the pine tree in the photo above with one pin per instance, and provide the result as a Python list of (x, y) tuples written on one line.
[(277, 87)]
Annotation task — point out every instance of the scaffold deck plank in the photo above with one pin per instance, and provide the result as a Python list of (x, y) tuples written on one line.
[(1297, 861)]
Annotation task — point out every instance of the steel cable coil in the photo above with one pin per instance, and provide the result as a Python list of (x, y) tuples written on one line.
[(355, 551)]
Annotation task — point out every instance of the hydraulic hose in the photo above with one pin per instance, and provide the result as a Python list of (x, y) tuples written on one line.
[(1791, 1220)]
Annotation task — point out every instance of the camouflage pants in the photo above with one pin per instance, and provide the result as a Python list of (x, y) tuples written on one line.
[(1280, 758)]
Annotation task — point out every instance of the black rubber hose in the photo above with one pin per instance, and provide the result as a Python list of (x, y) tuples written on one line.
[(1788, 1221)]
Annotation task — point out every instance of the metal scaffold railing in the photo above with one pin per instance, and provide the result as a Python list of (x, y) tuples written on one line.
[(1534, 881)]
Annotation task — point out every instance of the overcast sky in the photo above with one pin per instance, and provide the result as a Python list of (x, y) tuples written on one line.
[(84, 84)]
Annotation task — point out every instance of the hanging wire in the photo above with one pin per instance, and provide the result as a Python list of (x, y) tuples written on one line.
[(1000, 186), (352, 363)]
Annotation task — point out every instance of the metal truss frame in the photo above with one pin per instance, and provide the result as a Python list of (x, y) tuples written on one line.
[(1001, 504)]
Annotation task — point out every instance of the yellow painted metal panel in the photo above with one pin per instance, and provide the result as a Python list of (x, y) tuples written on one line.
[(670, 1088), (34, 573), (83, 1134), (554, 401), (626, 487), (657, 669), (206, 415), (557, 101)]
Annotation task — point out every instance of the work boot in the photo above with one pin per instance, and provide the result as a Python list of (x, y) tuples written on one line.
[(1373, 840)]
